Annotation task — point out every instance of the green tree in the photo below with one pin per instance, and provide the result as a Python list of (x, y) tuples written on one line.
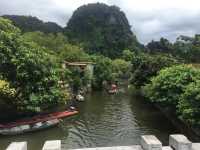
[(121, 68), (170, 83), (29, 69), (53, 42), (128, 55), (102, 71), (72, 53), (145, 66), (189, 103), (161, 46), (187, 48), (7, 94)]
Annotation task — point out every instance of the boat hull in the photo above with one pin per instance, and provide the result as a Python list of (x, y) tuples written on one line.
[(29, 128), (35, 123)]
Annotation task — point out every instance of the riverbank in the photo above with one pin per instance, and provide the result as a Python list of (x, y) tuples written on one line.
[(180, 124), (185, 128), (170, 113)]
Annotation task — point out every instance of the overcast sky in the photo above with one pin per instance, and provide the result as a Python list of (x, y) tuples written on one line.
[(150, 19)]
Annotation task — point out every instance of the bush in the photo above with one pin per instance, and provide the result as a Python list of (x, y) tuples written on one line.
[(53, 42), (170, 83), (121, 68), (73, 53), (6, 92), (189, 104), (32, 71), (128, 55), (145, 66), (102, 71)]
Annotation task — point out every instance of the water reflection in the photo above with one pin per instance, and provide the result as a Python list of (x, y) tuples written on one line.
[(104, 120)]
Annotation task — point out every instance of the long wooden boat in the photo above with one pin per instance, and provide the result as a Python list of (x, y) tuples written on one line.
[(35, 123), (29, 127)]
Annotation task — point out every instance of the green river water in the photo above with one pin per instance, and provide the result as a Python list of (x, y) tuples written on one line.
[(104, 120)]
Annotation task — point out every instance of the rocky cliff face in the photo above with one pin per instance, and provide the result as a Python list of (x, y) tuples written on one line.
[(105, 29)]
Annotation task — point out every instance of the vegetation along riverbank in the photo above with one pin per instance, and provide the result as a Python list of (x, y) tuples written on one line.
[(42, 65)]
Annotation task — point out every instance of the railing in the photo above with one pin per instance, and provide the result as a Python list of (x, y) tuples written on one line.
[(148, 142)]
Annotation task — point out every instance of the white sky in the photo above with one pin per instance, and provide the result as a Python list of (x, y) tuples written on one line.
[(150, 19)]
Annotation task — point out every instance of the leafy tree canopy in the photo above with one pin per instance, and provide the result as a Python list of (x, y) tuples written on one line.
[(73, 53), (163, 45), (189, 103), (121, 68), (52, 42), (128, 55), (170, 83), (145, 66), (187, 48), (102, 70), (30, 70)]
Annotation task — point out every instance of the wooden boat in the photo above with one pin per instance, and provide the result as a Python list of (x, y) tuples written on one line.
[(29, 128), (35, 123)]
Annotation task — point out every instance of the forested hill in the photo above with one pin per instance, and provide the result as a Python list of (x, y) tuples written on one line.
[(29, 24), (103, 29), (97, 27)]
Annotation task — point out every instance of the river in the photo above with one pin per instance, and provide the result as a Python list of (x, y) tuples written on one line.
[(104, 120)]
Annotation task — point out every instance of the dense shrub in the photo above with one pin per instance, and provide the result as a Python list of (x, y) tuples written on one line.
[(102, 71), (52, 42), (7, 100), (128, 55), (170, 83), (189, 104), (145, 66), (121, 68), (73, 53), (6, 92), (30, 69)]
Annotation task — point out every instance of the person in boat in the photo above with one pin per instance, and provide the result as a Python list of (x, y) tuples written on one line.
[(79, 96), (81, 91), (72, 108), (113, 88), (72, 105)]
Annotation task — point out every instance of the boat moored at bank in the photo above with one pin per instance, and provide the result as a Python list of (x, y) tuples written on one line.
[(35, 123)]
